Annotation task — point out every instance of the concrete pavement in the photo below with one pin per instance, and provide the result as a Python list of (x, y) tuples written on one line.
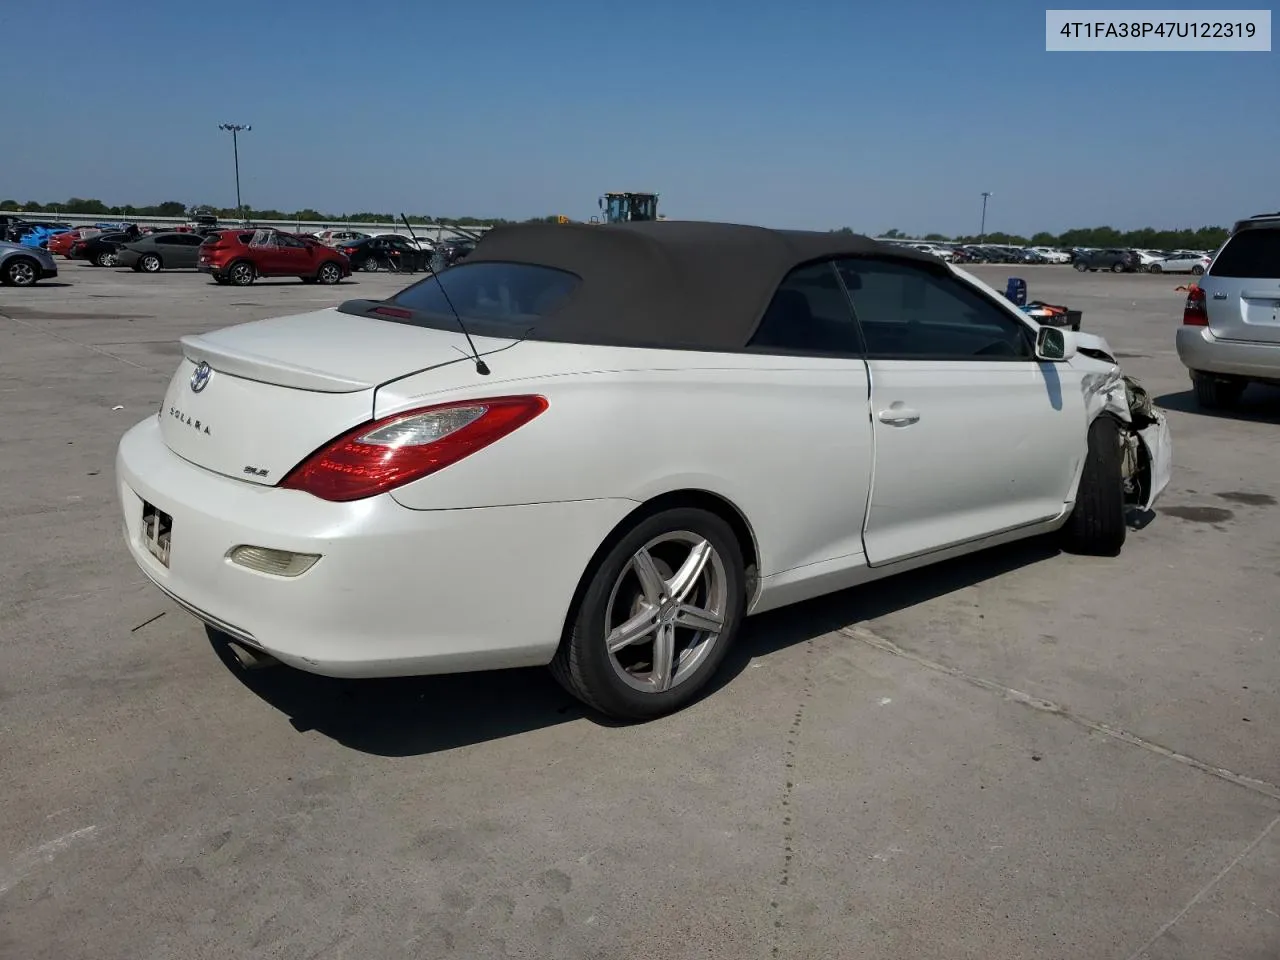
[(1017, 754)]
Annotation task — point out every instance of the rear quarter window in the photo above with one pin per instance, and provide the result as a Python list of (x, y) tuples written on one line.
[(1250, 254)]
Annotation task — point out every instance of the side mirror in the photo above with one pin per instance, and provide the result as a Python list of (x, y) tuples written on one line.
[(1055, 344)]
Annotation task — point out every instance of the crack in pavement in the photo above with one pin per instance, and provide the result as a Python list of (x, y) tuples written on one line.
[(77, 343), (1141, 952), (863, 635), (1262, 787)]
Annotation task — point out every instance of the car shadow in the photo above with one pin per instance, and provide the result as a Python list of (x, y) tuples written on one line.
[(43, 284), (285, 282), (1259, 404), (420, 715)]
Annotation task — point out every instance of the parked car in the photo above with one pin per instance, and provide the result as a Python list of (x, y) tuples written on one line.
[(1115, 260), (241, 256), (386, 252), (161, 251), (101, 249), (452, 251), (1195, 263), (1051, 255), (333, 238), (357, 493), (22, 266), (60, 244), (1230, 333), (39, 234), (10, 224)]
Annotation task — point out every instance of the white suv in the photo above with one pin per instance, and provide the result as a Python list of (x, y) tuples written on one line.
[(1230, 333)]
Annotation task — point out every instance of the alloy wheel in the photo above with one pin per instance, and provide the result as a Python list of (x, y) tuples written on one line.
[(666, 611), (21, 273)]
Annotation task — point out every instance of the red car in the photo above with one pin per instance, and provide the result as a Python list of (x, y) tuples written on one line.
[(242, 256), (60, 243)]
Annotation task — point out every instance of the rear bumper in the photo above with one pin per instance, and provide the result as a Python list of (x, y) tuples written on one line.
[(1199, 349), (128, 258), (48, 272), (396, 591)]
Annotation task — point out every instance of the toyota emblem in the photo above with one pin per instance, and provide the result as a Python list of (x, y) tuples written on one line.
[(200, 376)]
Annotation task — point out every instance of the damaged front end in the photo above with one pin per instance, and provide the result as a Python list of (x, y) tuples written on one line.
[(1147, 447)]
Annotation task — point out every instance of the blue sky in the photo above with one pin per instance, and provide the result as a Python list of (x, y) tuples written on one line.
[(801, 114)]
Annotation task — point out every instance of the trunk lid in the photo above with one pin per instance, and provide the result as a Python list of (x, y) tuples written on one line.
[(1242, 287), (276, 390)]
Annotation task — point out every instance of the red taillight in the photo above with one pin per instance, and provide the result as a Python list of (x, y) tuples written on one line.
[(347, 250), (379, 456), (1194, 312)]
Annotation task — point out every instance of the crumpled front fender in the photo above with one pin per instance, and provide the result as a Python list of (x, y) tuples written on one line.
[(1149, 444)]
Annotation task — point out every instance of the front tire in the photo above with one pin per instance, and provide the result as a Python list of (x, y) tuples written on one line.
[(1117, 268), (1217, 393), (330, 273), (656, 616), (105, 259), (1096, 526), (1081, 266), (20, 272)]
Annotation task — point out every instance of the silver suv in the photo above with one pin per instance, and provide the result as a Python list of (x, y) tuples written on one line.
[(1230, 333), (21, 266)]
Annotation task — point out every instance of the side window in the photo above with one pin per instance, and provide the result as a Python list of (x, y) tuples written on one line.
[(809, 314), (187, 240), (284, 240), (908, 312)]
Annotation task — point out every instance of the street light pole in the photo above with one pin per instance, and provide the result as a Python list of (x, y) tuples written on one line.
[(982, 231), (235, 129)]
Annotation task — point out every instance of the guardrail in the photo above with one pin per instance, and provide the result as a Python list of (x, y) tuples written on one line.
[(432, 231)]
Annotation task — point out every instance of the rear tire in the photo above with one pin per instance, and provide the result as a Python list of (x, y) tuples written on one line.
[(1096, 526), (612, 593), (1217, 393), (1081, 266), (1155, 268), (149, 263), (105, 259), (1197, 270), (241, 273), (1117, 268)]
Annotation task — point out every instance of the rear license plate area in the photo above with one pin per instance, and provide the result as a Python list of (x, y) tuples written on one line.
[(157, 532)]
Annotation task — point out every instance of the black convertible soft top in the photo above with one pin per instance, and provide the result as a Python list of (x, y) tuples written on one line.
[(674, 283), (665, 284)]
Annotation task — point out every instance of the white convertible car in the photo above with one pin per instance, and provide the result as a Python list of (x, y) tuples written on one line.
[(601, 447)]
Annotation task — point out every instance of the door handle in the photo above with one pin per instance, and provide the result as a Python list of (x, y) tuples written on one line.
[(899, 416)]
